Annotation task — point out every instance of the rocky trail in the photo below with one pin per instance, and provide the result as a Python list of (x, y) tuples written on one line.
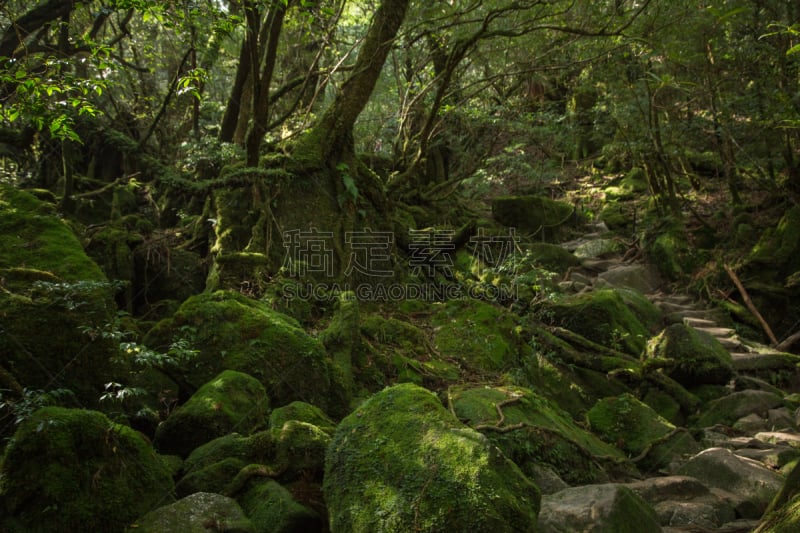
[(745, 439)]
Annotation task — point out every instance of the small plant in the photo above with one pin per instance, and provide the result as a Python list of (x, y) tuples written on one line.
[(32, 400)]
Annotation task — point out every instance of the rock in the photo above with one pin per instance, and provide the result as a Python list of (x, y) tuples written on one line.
[(401, 461), (537, 215), (610, 508), (750, 423), (546, 478), (752, 484), (51, 292), (781, 418), (75, 470), (693, 357), (301, 412), (234, 332), (479, 335), (683, 501), (640, 431), (728, 409), (639, 277), (598, 248), (552, 257), (535, 431), (670, 251), (775, 457), (779, 437), (273, 509), (232, 401), (198, 513), (601, 316)]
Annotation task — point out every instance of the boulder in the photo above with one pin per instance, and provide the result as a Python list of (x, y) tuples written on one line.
[(639, 277), (637, 429), (232, 401), (75, 470), (52, 292), (272, 509), (537, 215), (681, 501), (402, 462), (728, 409), (607, 508), (198, 513), (534, 431), (302, 412), (481, 336), (691, 357), (751, 484), (234, 332), (601, 316), (552, 257), (598, 248)]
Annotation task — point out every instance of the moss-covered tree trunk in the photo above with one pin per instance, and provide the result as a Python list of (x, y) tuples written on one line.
[(333, 135)]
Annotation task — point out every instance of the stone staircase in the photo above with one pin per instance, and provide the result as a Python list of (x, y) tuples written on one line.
[(750, 451)]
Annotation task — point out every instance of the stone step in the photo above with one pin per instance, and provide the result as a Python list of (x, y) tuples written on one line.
[(751, 361), (730, 343), (716, 331), (677, 317), (697, 322)]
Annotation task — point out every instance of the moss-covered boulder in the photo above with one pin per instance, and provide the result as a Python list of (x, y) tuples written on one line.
[(302, 412), (537, 215), (690, 356), (234, 332), (401, 462), (552, 257), (532, 431), (272, 509), (232, 401), (638, 430), (777, 250), (667, 247), (198, 513), (601, 316), (51, 291), (481, 336), (400, 352), (728, 409), (75, 470)]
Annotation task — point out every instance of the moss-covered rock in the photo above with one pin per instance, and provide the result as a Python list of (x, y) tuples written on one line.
[(601, 316), (51, 290), (691, 357), (401, 462), (638, 430), (198, 513), (728, 409), (232, 401), (537, 215), (481, 336), (552, 257), (534, 431), (234, 332), (668, 248), (272, 509), (784, 519), (302, 412), (777, 250), (75, 470)]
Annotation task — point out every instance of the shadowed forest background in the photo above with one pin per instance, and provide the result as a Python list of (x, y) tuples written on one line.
[(160, 160)]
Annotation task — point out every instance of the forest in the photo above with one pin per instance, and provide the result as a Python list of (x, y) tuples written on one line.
[(274, 266)]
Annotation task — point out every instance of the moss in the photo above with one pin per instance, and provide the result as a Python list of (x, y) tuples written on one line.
[(553, 257), (668, 249), (730, 408), (401, 462), (302, 412), (777, 250), (75, 470), (232, 401), (663, 404), (49, 285), (544, 433), (301, 449), (637, 429), (601, 316), (537, 215), (33, 236), (646, 311), (692, 357), (272, 509), (481, 336), (785, 519), (342, 338), (234, 332)]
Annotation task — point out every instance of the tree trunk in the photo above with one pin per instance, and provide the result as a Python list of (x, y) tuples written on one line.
[(231, 117), (334, 132)]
